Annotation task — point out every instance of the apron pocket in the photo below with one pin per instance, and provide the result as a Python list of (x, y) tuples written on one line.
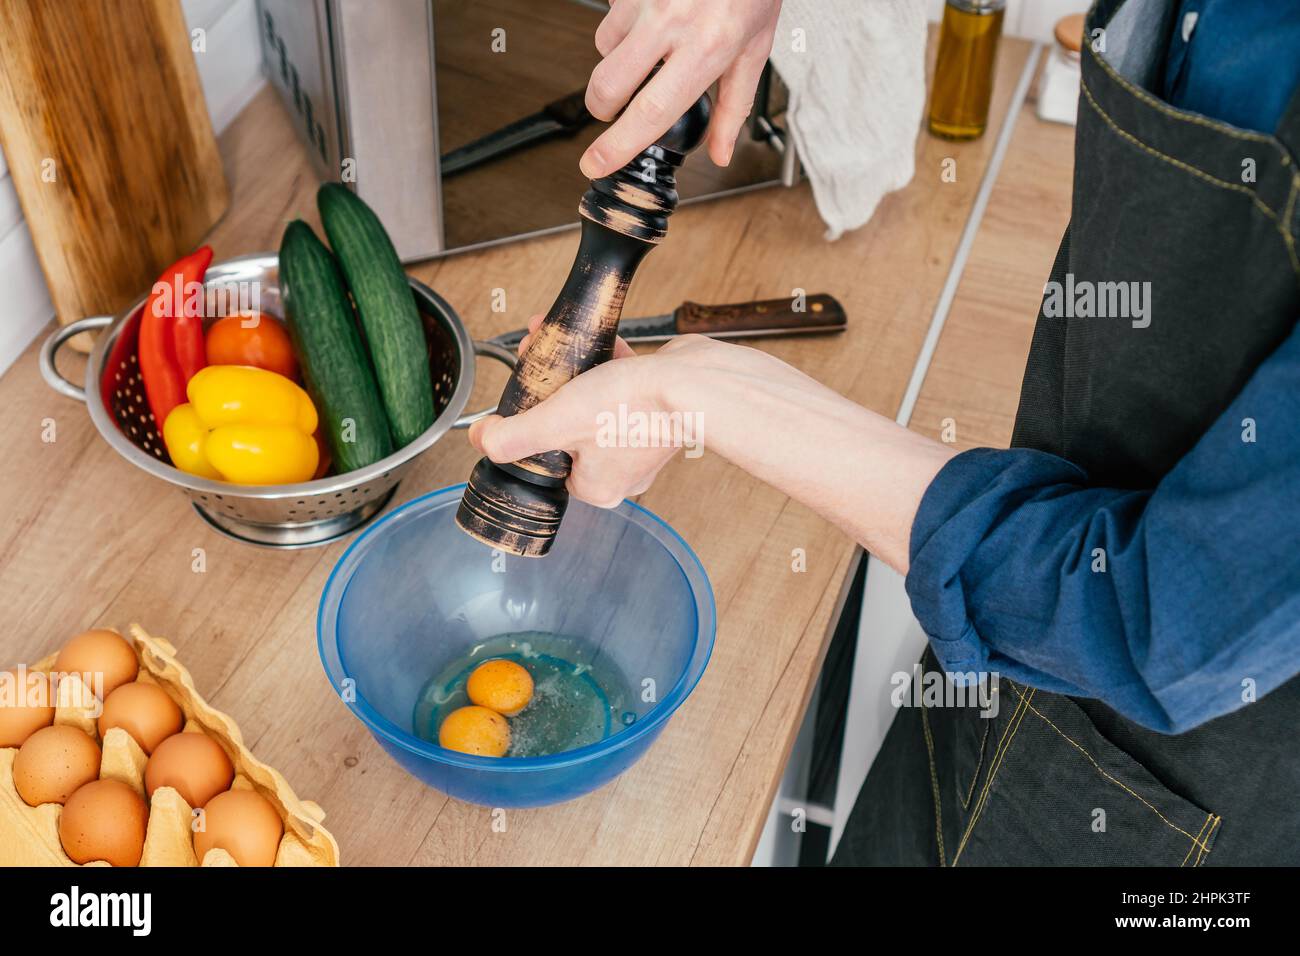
[(1053, 790)]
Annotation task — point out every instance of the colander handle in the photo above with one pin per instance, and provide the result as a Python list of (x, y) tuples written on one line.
[(503, 355), (50, 348)]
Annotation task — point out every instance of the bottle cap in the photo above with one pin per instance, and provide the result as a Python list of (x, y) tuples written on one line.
[(978, 6)]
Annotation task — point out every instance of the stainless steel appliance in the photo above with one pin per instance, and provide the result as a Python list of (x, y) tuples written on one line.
[(461, 123)]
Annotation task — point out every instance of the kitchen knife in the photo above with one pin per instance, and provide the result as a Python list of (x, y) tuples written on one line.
[(563, 117), (742, 320)]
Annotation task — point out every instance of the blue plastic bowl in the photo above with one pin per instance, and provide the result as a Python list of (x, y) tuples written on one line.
[(413, 594)]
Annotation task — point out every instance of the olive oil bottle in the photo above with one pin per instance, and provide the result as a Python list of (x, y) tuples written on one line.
[(963, 72)]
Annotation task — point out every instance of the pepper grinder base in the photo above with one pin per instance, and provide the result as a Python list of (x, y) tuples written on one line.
[(510, 514)]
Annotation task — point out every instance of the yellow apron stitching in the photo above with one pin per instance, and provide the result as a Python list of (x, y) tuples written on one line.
[(1287, 239), (1117, 783), (1287, 235), (1186, 167), (1013, 727), (1172, 113), (965, 804), (1205, 850), (1003, 743), (1208, 818), (934, 782), (1008, 735)]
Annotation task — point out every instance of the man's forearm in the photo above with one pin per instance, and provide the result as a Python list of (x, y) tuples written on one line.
[(861, 471)]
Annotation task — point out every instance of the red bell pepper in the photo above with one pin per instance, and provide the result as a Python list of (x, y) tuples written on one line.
[(171, 335)]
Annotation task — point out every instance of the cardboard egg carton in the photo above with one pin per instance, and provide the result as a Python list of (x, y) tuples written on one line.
[(29, 836)]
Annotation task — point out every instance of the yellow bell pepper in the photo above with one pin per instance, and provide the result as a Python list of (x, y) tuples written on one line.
[(186, 438), (244, 425)]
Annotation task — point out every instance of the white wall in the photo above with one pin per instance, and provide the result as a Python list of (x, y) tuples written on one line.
[(230, 71), (1028, 18)]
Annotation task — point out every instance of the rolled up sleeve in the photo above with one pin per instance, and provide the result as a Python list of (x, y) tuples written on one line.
[(1173, 605)]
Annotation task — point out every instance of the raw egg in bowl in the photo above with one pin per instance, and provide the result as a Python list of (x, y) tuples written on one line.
[(613, 628)]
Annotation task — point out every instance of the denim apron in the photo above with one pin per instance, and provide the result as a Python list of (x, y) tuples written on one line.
[(1208, 214)]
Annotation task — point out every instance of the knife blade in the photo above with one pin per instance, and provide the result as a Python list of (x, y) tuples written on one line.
[(810, 315), (562, 117)]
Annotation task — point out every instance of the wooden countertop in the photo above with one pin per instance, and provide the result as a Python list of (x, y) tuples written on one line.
[(974, 377), (86, 539)]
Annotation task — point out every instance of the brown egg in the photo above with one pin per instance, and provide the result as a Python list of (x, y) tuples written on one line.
[(193, 764), (104, 820), (144, 711), (53, 763), (244, 824), (26, 705), (103, 654)]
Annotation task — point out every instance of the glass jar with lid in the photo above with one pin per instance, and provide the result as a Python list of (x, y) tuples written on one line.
[(1058, 87)]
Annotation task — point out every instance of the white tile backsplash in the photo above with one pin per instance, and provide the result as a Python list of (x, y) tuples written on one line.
[(230, 69), (27, 301), (11, 213), (1038, 17)]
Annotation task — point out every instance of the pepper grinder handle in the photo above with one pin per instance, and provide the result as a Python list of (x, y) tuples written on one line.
[(517, 507)]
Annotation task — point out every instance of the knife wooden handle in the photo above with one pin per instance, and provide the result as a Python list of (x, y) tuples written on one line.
[(820, 312)]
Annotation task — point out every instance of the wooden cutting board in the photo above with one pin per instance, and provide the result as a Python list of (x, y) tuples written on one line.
[(108, 140)]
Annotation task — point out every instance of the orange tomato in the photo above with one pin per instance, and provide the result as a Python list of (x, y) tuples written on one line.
[(256, 339)]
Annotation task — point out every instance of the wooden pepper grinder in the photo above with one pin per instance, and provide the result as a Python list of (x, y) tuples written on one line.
[(517, 507)]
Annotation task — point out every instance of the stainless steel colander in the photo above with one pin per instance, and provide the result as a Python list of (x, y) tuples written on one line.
[(284, 516)]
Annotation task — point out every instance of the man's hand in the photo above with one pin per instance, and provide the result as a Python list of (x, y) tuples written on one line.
[(602, 475), (700, 41), (859, 469)]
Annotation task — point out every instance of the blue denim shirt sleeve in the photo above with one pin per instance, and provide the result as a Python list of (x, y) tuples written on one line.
[(1234, 60), (1173, 605)]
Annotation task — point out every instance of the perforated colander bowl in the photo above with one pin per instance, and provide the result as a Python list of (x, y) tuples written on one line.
[(286, 516)]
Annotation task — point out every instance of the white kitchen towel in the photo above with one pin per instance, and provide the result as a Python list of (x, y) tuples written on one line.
[(856, 74)]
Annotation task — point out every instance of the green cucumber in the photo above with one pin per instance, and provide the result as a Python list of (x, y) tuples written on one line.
[(387, 308), (333, 357)]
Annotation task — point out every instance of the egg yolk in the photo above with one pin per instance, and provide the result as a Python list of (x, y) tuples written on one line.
[(500, 685), (475, 730)]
